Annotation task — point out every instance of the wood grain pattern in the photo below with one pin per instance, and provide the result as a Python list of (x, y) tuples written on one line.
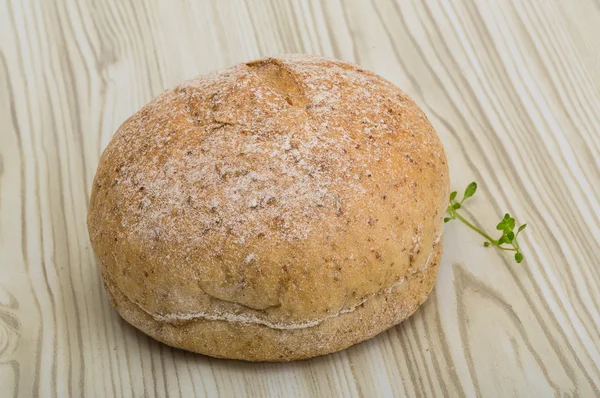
[(513, 88)]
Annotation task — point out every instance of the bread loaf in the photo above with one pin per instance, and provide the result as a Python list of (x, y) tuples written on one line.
[(277, 210)]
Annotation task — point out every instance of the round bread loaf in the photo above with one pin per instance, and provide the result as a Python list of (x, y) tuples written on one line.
[(277, 210)]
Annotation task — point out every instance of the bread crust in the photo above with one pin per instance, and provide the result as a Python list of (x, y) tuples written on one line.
[(260, 343), (276, 195)]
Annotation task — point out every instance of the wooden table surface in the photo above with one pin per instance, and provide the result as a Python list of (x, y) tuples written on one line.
[(513, 89)]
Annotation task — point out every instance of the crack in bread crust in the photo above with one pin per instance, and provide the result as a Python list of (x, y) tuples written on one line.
[(255, 342), (245, 319)]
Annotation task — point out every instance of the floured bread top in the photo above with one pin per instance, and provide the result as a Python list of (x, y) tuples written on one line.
[(283, 191)]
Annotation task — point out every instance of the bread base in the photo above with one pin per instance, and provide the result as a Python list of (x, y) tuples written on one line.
[(255, 342)]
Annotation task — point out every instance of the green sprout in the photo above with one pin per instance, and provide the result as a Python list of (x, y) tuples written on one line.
[(507, 241)]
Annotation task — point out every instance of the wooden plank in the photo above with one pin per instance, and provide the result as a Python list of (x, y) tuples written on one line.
[(513, 88)]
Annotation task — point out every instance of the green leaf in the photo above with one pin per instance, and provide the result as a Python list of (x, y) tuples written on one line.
[(507, 241), (470, 191), (510, 224)]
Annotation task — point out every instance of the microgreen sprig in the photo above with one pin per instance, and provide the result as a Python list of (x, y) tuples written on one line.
[(507, 241)]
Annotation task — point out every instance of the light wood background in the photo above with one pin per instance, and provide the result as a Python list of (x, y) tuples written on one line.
[(513, 88)]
